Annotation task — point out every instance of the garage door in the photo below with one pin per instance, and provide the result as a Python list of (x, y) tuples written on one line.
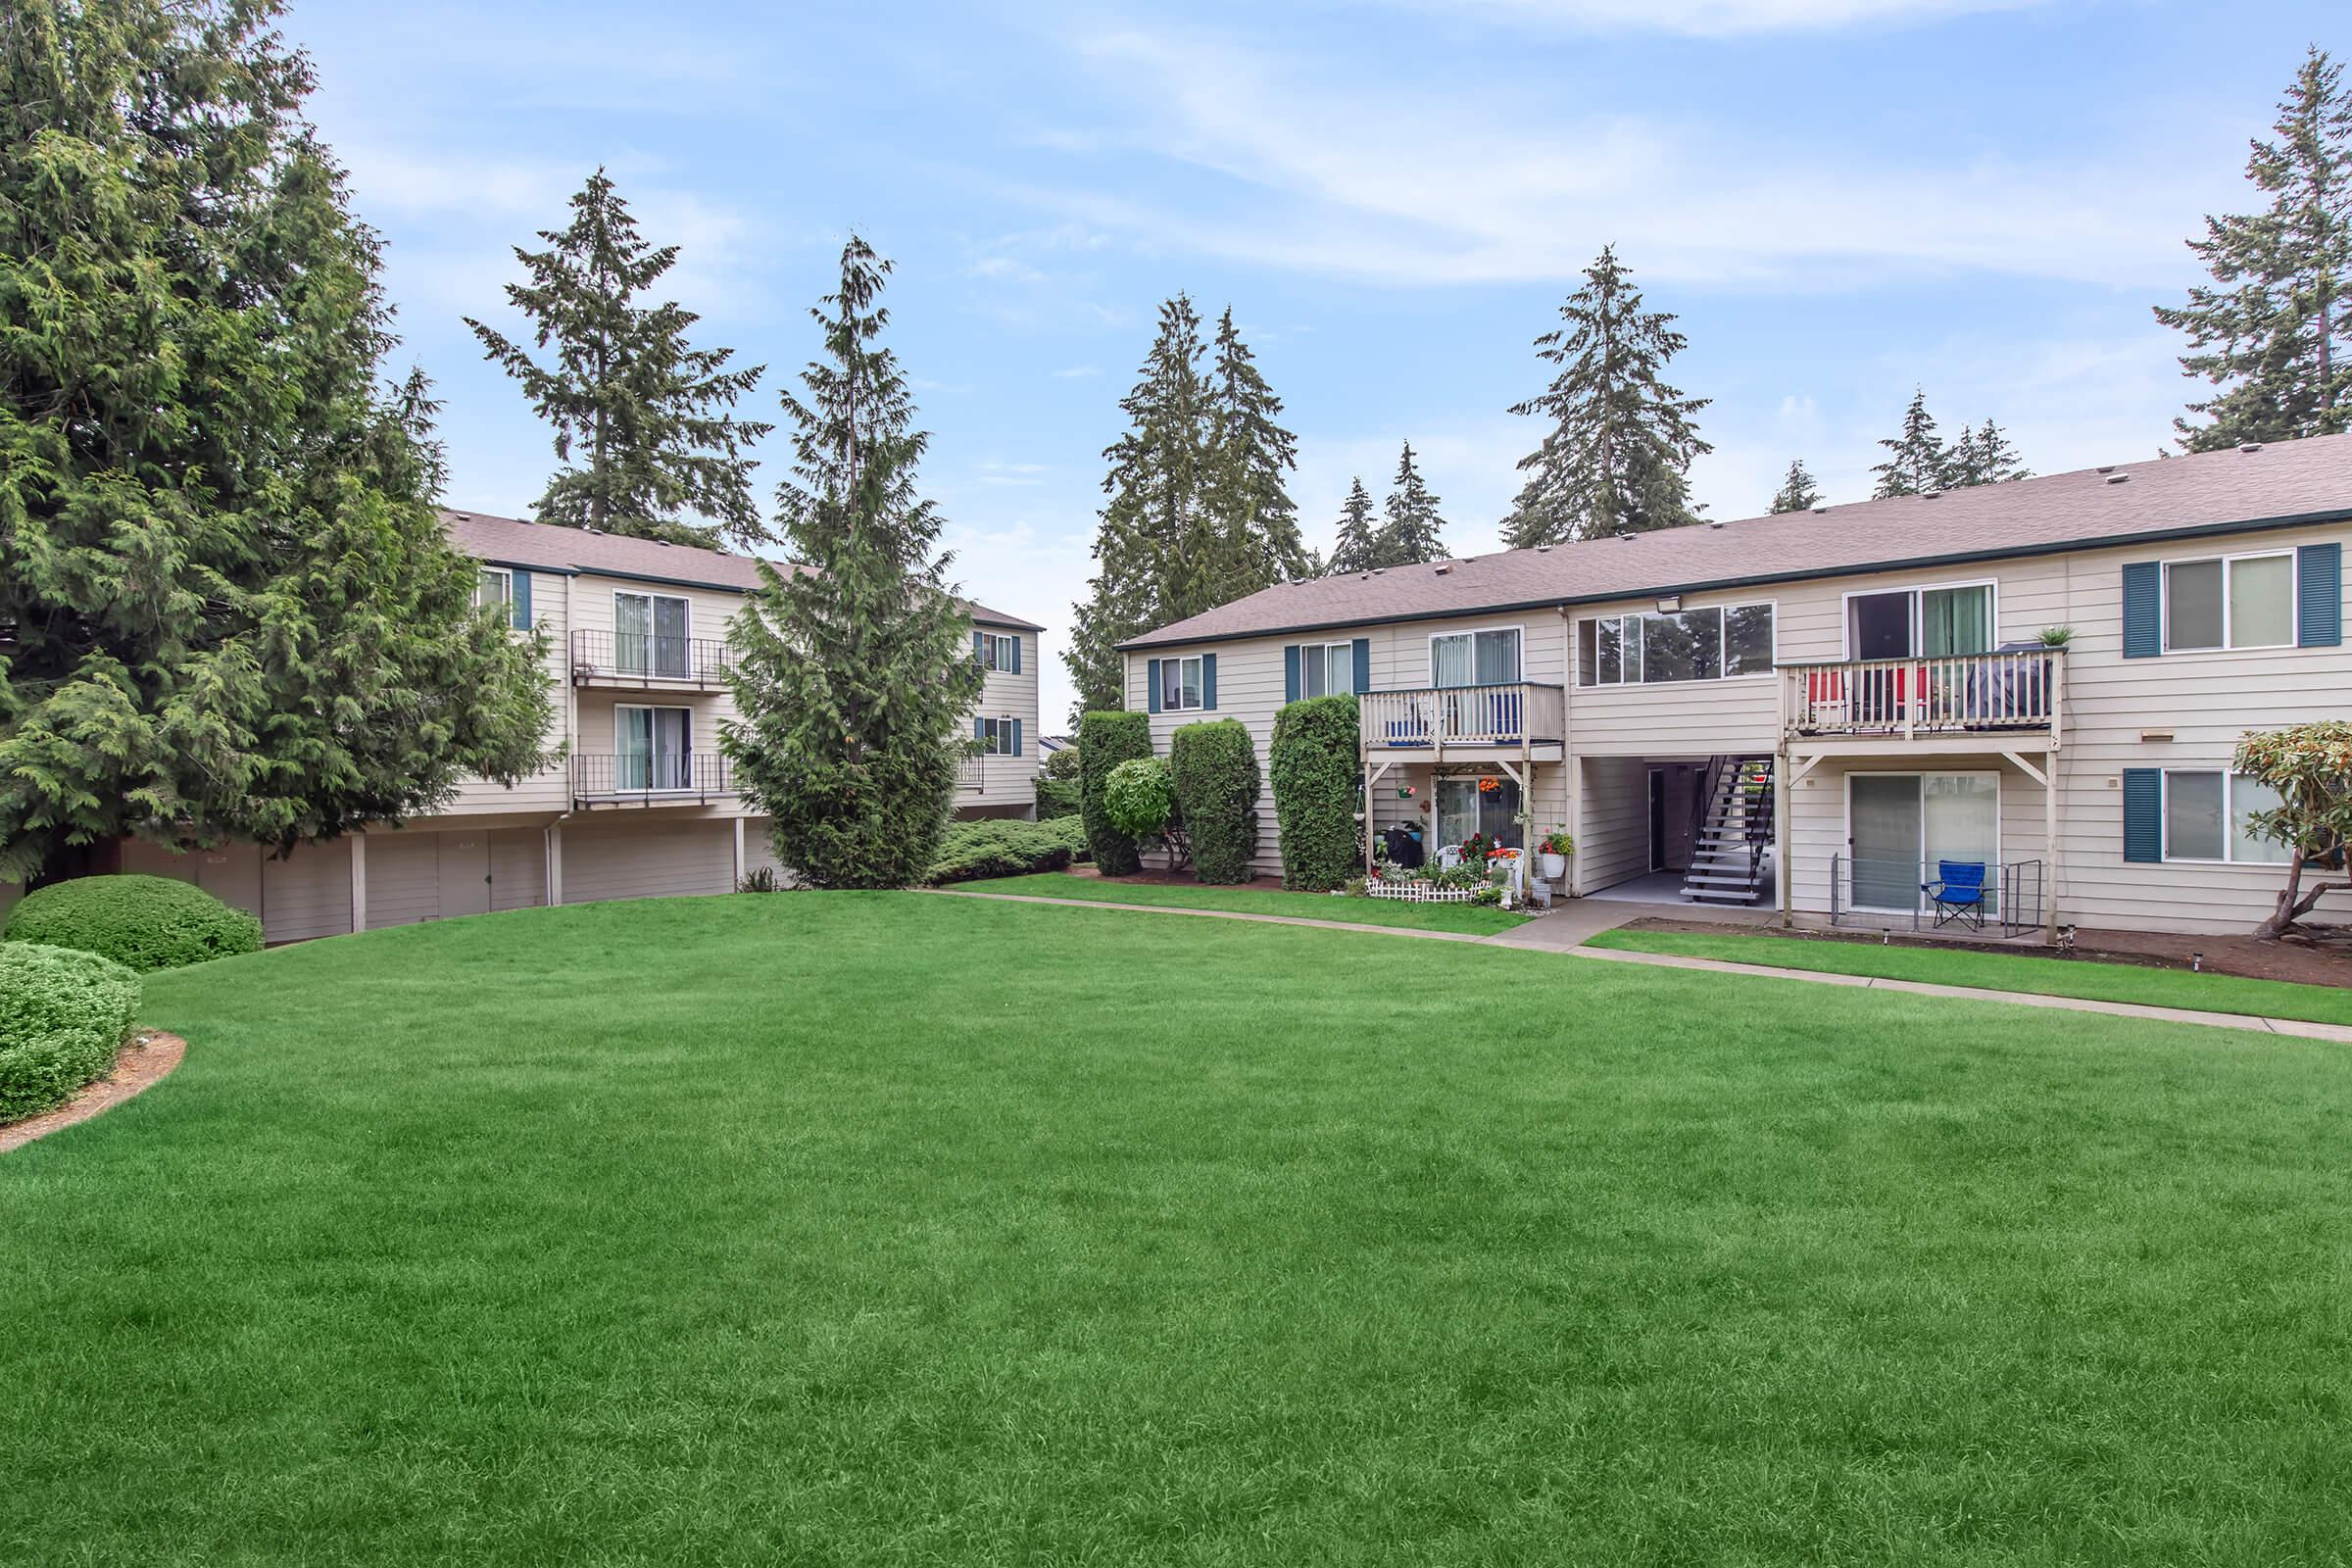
[(518, 868), (403, 878), (648, 860)]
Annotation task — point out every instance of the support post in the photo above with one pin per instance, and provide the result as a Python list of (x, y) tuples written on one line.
[(358, 882), (739, 852), (1576, 819), (1370, 778), (1784, 871), (555, 865), (2049, 860)]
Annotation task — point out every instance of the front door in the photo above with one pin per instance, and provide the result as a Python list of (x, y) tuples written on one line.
[(1658, 819), (464, 873)]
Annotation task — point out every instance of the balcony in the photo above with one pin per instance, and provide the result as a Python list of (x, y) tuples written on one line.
[(1519, 717), (640, 661), (1998, 696), (971, 775), (639, 778)]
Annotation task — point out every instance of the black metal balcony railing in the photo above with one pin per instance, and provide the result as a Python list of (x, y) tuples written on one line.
[(972, 776), (639, 659), (695, 776)]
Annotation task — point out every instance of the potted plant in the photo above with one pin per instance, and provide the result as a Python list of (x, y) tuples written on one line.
[(2056, 636), (1554, 849)]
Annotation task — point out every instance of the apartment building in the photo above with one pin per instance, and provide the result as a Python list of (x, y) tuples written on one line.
[(2046, 679), (642, 804)]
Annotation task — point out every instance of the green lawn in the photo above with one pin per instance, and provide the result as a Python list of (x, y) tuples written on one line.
[(2005, 971), (870, 1228), (1473, 920)]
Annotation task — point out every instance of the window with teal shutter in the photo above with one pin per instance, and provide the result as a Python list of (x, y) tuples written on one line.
[(2143, 814), (1208, 682), (2143, 610), (1152, 686), (1289, 672), (1016, 737), (1363, 666), (522, 601), (2320, 596)]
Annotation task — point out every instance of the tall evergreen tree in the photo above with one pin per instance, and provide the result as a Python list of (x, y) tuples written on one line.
[(1916, 459), (1983, 454), (1412, 531), (1356, 548), (227, 609), (2269, 335), (647, 412), (1617, 455), (854, 679), (1797, 491), (1253, 525)]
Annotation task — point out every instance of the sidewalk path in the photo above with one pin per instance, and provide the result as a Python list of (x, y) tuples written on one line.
[(1565, 929)]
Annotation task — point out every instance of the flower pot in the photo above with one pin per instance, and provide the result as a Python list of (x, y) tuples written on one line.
[(1552, 866)]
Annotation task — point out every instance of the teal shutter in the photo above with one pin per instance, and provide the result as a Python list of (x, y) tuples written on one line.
[(2143, 814), (1363, 666), (980, 730), (1208, 682), (2320, 596), (1289, 672), (1016, 737), (980, 649), (2143, 610), (522, 606), (1152, 686), (1016, 653)]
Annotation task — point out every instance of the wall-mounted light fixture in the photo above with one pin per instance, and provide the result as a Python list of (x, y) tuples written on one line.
[(1668, 603)]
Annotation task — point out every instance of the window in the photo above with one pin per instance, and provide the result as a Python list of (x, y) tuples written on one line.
[(2206, 817), (1901, 827), (652, 748), (648, 635), (1180, 684), (999, 651), (1489, 805), (1950, 622), (1475, 657), (1326, 669), (1657, 648), (1000, 737), (495, 587), (2229, 602)]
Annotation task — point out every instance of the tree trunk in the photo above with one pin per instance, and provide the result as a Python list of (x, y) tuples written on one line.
[(2293, 903)]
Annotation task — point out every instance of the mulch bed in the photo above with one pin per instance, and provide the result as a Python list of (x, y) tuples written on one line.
[(2323, 957), (141, 1064)]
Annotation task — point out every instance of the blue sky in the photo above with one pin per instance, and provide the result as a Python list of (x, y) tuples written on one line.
[(1838, 197)]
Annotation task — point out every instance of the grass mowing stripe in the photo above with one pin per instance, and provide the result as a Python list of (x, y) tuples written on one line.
[(1466, 919), (2005, 971)]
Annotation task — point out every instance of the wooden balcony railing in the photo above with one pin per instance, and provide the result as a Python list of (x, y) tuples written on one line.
[(2020, 690), (639, 659), (1434, 717)]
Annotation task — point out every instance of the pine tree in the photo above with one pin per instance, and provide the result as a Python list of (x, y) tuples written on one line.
[(1359, 541), (854, 678), (1253, 523), (1916, 459), (647, 412), (2270, 333), (1412, 531), (228, 611), (1797, 492), (1983, 454), (1618, 454)]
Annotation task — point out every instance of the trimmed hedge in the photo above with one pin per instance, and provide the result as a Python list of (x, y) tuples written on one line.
[(1313, 759), (999, 846), (1215, 768), (63, 1015), (142, 922), (1105, 739)]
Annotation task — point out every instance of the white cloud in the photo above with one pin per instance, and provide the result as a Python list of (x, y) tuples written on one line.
[(1077, 373), (1729, 18)]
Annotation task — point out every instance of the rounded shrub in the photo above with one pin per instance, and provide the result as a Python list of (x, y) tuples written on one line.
[(1314, 759), (1140, 798), (1106, 739), (1002, 846), (1214, 766), (143, 923), (63, 1015)]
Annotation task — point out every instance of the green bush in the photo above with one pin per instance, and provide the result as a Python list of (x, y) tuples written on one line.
[(1315, 762), (1105, 741), (63, 1015), (999, 846), (1140, 798), (1057, 797), (142, 922), (1214, 765)]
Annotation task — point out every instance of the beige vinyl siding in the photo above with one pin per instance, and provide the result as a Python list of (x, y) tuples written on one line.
[(1612, 840), (403, 877), (1010, 783), (1817, 817), (759, 848), (518, 867), (1249, 688), (305, 894), (642, 857), (548, 789)]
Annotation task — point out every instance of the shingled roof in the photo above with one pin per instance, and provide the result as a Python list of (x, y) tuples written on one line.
[(2216, 491), (545, 546)]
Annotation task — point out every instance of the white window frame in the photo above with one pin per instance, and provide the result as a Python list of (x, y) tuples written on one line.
[(1918, 593), (1347, 651), (652, 618), (2164, 816), (1436, 802), (1472, 632), (2229, 643), (1200, 685), (1923, 775), (994, 651), (506, 581), (1722, 644), (653, 731), (996, 737)]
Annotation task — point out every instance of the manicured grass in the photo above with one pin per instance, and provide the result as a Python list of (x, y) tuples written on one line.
[(1473, 920), (2005, 971), (901, 1229)]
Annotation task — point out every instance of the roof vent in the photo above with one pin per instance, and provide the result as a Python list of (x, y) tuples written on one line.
[(584, 528), (1714, 523), (2109, 469), (1625, 535), (1445, 566), (2249, 447), (2117, 478), (1821, 506), (1929, 495), (1543, 550)]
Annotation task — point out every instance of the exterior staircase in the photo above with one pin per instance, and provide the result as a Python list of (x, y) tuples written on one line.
[(1725, 867)]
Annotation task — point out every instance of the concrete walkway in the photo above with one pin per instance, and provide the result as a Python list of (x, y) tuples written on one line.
[(1567, 927)]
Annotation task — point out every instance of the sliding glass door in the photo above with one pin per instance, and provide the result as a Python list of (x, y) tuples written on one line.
[(1900, 827)]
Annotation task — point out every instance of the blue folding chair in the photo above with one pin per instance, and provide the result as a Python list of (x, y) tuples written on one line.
[(1959, 895)]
